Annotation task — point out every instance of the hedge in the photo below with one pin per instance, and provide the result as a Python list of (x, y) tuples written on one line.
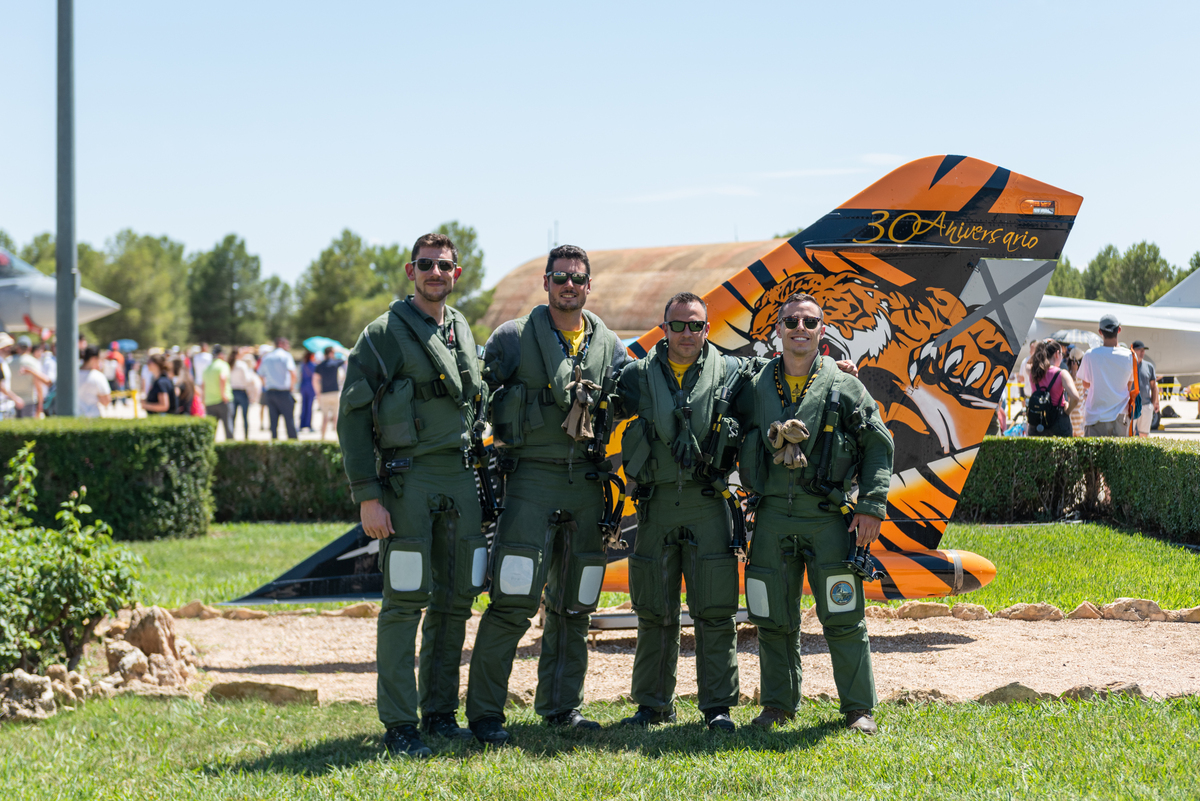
[(146, 478), (284, 480), (1150, 484)]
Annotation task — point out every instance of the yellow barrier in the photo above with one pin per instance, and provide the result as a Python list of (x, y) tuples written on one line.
[(128, 393)]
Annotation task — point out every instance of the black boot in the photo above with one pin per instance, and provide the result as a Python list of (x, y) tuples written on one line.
[(572, 719), (443, 724), (649, 716), (403, 741), (489, 731), (718, 719)]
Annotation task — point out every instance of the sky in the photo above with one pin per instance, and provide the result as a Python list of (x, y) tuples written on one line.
[(624, 124)]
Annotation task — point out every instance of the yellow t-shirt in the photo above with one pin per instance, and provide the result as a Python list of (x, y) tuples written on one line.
[(795, 385), (678, 370), (574, 340)]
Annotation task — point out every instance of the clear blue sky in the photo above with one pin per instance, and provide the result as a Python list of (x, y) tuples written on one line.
[(630, 124)]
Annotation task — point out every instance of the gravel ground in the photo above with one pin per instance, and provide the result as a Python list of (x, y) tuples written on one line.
[(960, 658)]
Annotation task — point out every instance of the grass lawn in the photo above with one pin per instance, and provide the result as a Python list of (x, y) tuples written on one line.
[(1059, 564), (131, 748)]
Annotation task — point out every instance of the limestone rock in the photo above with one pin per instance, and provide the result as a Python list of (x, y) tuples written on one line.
[(523, 698), (1185, 615), (152, 629), (57, 672), (1085, 611), (133, 665), (920, 610), (965, 611), (1015, 693), (880, 612), (1038, 611), (263, 691), (26, 697), (242, 613), (1085, 692), (196, 609), (364, 609), (64, 695), (1132, 609), (165, 672), (905, 697), (115, 629), (115, 651), (187, 652)]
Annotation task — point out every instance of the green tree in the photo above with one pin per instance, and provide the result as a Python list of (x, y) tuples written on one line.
[(790, 234), (225, 294), (1098, 267), (278, 309), (1139, 272), (346, 287), (40, 253), (1067, 282), (148, 276), (7, 242)]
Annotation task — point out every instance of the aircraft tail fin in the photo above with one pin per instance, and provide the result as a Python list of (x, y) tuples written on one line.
[(1185, 294)]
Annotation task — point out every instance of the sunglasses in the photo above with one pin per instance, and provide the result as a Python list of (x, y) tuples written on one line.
[(579, 279), (445, 265), (810, 323), (695, 326)]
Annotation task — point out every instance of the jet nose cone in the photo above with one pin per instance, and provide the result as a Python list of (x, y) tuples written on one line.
[(93, 306)]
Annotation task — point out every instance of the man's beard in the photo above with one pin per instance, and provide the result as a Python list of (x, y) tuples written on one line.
[(435, 294), (571, 304)]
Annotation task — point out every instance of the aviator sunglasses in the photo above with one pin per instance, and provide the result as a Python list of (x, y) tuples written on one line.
[(579, 279), (695, 326), (445, 265), (810, 323)]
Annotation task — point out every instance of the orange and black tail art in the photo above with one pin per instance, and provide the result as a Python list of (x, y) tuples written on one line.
[(929, 278)]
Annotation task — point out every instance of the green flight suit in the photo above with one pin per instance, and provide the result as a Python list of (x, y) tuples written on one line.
[(683, 533), (548, 536), (408, 401), (793, 534)]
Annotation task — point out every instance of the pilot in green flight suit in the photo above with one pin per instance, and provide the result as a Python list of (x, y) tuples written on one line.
[(799, 526), (684, 524), (409, 401), (548, 537)]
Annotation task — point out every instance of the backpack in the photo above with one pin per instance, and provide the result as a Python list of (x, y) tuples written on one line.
[(1042, 413)]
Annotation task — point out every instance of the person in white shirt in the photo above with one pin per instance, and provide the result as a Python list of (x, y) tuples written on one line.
[(1107, 374), (200, 362), (94, 389)]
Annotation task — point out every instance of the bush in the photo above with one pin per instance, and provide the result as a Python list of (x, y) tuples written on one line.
[(148, 478), (283, 481), (1144, 483), (55, 584)]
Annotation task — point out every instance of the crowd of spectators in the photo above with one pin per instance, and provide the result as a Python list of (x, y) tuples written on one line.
[(215, 381)]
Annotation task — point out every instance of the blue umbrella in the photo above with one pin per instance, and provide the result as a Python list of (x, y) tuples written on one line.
[(126, 345), (319, 344)]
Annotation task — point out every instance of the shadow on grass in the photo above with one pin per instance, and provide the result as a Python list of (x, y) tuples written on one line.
[(324, 667), (537, 741)]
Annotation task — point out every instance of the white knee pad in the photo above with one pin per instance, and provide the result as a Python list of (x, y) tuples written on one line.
[(756, 597), (405, 570), (589, 585), (516, 574), (478, 567)]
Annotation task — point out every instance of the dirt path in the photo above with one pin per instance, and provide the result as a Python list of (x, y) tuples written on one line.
[(960, 658)]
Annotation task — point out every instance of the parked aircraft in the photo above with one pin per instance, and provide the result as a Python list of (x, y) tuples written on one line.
[(27, 298), (1170, 326), (929, 279)]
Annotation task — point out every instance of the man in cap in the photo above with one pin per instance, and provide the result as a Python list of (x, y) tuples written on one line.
[(1147, 390), (1107, 374)]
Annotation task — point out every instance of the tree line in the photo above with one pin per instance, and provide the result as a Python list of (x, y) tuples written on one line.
[(1138, 277), (170, 297)]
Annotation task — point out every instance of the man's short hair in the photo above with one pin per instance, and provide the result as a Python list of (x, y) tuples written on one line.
[(281, 342), (437, 241), (328, 351), (217, 350), (90, 352), (568, 252), (684, 297), (798, 297)]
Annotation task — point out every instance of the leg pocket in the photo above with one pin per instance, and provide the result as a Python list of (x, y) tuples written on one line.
[(584, 579), (717, 593), (471, 566), (646, 585), (839, 595), (765, 596), (406, 566), (516, 571)]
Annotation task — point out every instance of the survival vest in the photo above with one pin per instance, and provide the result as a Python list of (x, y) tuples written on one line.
[(429, 404), (529, 410), (646, 443)]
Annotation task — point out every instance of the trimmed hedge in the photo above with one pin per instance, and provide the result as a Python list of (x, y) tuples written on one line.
[(146, 478), (283, 480), (1146, 483)]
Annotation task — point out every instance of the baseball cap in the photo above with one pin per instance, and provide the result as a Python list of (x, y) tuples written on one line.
[(1109, 323), (24, 341), (5, 340), (1076, 354), (1137, 343)]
